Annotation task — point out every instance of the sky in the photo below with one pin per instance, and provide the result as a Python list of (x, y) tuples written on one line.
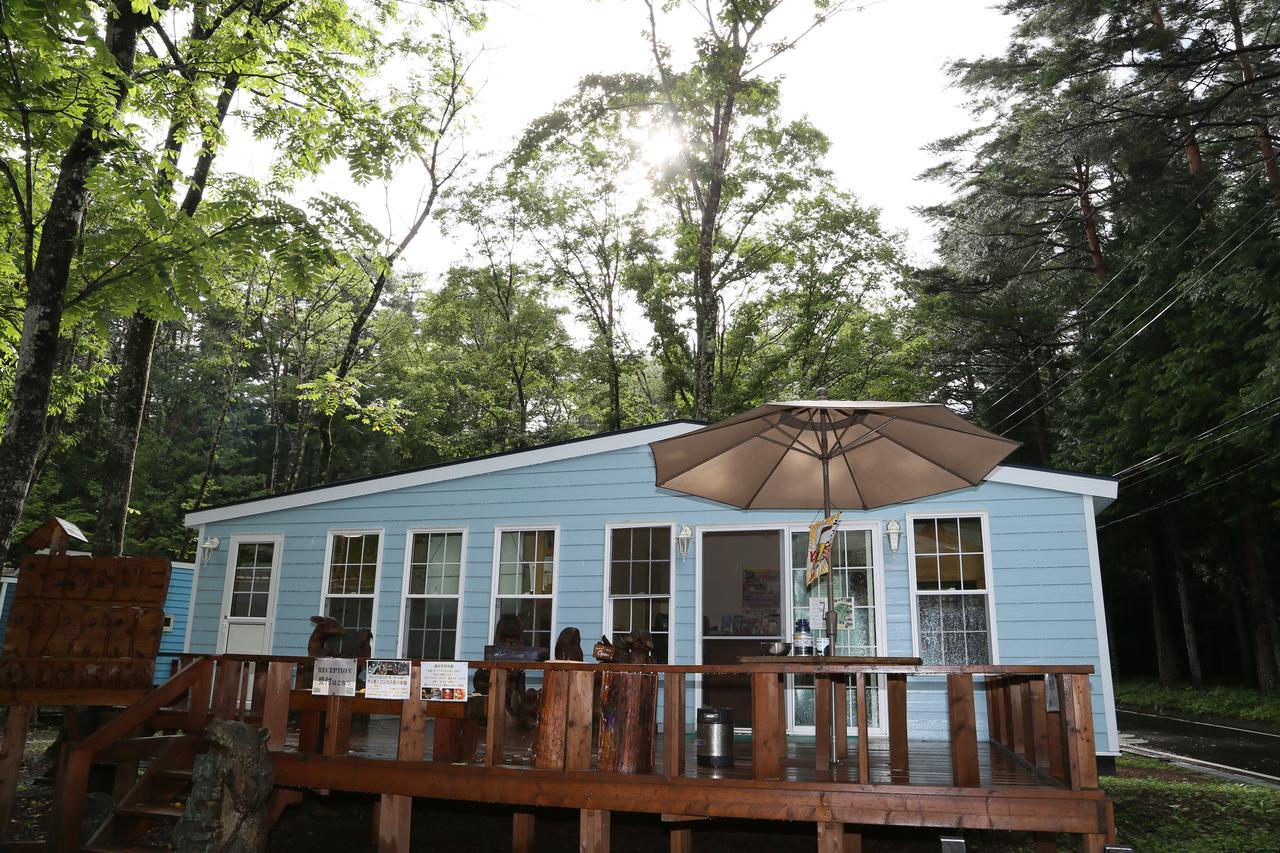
[(872, 79)]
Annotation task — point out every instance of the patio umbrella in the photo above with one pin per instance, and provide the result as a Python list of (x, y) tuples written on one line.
[(806, 454)]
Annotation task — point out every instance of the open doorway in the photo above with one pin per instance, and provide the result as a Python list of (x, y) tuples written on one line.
[(741, 609)]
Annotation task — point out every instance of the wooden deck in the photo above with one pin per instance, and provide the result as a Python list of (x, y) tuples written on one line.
[(929, 761), (1037, 773)]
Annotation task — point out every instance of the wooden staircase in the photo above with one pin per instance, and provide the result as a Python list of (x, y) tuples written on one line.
[(145, 816)]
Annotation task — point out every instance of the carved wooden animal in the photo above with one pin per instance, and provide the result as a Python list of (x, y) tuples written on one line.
[(636, 647), (230, 787), (569, 644), (330, 639)]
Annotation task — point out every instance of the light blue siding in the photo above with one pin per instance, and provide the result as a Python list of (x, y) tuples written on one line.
[(7, 587), (1040, 572), (177, 603)]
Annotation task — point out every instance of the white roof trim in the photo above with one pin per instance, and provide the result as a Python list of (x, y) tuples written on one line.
[(1057, 481), (442, 473)]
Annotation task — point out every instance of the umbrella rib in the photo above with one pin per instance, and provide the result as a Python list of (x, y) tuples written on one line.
[(765, 481), (982, 433), (853, 480)]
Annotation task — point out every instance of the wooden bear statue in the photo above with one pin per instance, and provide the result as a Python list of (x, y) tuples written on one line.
[(230, 787)]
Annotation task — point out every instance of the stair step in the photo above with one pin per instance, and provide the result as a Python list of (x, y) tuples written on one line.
[(151, 810)]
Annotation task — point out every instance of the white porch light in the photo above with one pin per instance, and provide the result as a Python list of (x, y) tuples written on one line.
[(894, 531), (683, 538)]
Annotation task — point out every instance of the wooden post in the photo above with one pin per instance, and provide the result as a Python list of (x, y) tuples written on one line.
[(548, 737), (840, 689), (337, 726), (226, 689), (822, 722), (593, 832), (198, 704), (1077, 723), (899, 759), (830, 836), (989, 687), (522, 825), (768, 743), (1028, 721), (673, 757), (578, 720), (864, 742), (681, 839), (496, 724), (68, 799), (259, 689), (629, 722), (963, 729), (395, 812), (1037, 709), (11, 751), (1018, 739), (1046, 842), (275, 703)]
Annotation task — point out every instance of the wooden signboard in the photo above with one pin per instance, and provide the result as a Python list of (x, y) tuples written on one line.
[(85, 623)]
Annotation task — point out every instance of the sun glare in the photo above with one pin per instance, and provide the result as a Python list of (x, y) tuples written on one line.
[(660, 146)]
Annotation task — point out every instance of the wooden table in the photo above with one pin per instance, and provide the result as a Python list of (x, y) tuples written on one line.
[(774, 725)]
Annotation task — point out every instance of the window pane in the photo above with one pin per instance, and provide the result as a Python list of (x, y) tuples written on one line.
[(452, 571), (660, 578), (419, 552), (952, 612), (417, 579), (258, 605), (971, 535), (661, 544), (620, 578), (949, 571), (340, 549), (510, 548), (620, 543), (927, 572), (948, 535), (976, 650), (453, 548), (337, 577), (975, 613), (931, 648), (246, 554), (926, 536), (640, 545), (371, 548), (975, 571)]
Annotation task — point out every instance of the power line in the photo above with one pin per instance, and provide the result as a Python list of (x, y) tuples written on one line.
[(1230, 475), (1134, 469), (1155, 471), (1107, 284), (1137, 317)]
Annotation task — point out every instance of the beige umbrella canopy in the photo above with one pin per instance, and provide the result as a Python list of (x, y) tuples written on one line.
[(844, 454)]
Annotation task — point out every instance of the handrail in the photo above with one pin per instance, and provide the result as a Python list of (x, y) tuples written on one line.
[(139, 712)]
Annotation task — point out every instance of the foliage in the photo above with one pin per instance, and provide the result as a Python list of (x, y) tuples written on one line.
[(1236, 703)]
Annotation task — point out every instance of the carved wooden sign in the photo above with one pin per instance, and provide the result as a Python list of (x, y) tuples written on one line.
[(85, 622)]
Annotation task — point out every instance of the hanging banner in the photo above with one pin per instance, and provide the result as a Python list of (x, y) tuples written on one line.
[(821, 533)]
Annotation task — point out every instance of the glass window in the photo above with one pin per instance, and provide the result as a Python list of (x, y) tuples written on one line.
[(431, 593), (353, 575), (640, 584), (251, 580), (526, 581), (951, 590)]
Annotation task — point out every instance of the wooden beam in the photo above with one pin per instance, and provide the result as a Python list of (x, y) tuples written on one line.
[(681, 839), (822, 722), (226, 689), (395, 812), (768, 740), (1038, 725), (579, 720), (1077, 722), (864, 741), (11, 752), (1018, 735), (840, 689), (496, 718), (899, 758), (549, 736), (673, 752), (830, 837), (963, 731), (275, 702), (593, 832), (522, 828)]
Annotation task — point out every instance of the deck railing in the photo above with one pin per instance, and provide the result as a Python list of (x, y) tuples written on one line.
[(1039, 718)]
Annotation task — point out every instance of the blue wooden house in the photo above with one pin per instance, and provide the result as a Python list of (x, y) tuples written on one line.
[(577, 534)]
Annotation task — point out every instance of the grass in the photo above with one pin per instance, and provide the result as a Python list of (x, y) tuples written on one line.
[(1239, 703), (1162, 807)]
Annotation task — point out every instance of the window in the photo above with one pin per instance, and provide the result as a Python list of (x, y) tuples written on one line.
[(251, 584), (526, 578), (951, 590), (640, 584), (431, 597), (168, 623), (353, 574)]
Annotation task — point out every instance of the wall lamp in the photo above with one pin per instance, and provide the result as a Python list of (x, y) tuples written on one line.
[(894, 531), (210, 545), (683, 538)]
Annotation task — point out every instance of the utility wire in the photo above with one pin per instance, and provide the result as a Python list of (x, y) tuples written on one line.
[(1136, 318), (1230, 475), (1136, 468), (1156, 471)]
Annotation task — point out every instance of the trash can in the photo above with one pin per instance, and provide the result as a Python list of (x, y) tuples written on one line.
[(715, 737)]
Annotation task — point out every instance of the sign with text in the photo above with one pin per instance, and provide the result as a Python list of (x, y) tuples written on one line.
[(334, 677), (444, 680), (387, 679)]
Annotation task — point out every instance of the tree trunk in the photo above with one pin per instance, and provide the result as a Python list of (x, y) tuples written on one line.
[(1266, 145), (1182, 585), (211, 460), (116, 474), (1168, 663), (1089, 215), (1190, 144), (1255, 577), (24, 434), (1231, 584), (615, 390)]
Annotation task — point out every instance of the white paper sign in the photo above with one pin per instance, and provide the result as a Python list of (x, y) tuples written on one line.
[(334, 677), (817, 612), (444, 681), (387, 679)]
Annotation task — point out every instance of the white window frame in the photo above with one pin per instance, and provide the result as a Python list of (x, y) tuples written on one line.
[(606, 621), (554, 597), (377, 573), (993, 643), (228, 578), (404, 586)]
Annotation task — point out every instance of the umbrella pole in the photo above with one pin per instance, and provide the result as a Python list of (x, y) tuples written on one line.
[(831, 609)]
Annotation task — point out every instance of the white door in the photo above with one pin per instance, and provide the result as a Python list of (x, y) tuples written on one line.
[(859, 585), (248, 607)]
